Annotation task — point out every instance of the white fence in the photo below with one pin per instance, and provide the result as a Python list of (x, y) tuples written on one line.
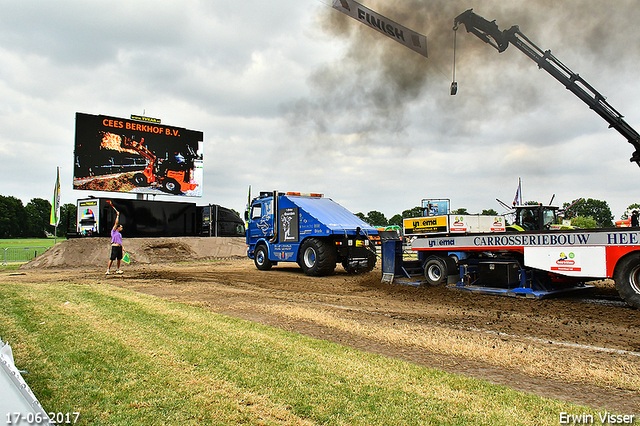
[(21, 254)]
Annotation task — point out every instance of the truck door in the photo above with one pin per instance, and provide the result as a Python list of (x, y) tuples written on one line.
[(260, 221)]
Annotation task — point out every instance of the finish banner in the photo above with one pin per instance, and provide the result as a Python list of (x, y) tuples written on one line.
[(411, 39)]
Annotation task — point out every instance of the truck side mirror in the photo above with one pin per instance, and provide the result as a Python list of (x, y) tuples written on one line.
[(246, 215)]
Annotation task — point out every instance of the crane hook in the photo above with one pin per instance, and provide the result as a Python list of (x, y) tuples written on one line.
[(454, 83)]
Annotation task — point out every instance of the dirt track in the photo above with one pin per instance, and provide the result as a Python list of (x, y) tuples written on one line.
[(573, 349)]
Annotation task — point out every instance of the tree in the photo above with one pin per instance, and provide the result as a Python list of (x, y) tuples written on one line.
[(396, 220), (632, 207), (38, 213), (376, 218), (68, 219), (414, 212), (12, 217), (490, 212), (596, 209), (584, 222), (461, 211)]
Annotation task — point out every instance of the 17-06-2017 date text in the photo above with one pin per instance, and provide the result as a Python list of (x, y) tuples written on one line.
[(17, 418)]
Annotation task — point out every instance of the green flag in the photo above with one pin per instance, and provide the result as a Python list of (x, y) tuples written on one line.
[(55, 203)]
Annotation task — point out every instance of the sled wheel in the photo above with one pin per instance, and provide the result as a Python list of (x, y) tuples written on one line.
[(627, 278), (436, 270)]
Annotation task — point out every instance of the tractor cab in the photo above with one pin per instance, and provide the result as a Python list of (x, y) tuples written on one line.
[(534, 217)]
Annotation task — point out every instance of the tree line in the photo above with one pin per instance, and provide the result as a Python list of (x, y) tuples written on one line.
[(583, 213), (32, 220)]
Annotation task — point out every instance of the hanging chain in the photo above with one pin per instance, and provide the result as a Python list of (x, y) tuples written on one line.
[(454, 83)]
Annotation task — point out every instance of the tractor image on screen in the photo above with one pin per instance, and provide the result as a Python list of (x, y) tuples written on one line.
[(172, 174)]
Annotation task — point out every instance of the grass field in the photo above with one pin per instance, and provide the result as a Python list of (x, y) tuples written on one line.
[(120, 358)]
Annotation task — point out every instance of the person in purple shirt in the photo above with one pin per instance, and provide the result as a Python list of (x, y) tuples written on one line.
[(116, 244)]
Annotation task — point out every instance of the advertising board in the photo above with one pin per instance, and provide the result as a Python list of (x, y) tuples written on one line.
[(88, 220), (134, 156), (426, 225), (433, 207), (453, 224)]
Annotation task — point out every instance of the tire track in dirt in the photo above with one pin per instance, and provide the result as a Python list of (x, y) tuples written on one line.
[(570, 329)]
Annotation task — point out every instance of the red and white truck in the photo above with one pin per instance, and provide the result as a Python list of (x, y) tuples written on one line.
[(531, 258)]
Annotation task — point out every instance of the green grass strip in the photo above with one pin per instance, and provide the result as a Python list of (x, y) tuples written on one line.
[(122, 358), (29, 242)]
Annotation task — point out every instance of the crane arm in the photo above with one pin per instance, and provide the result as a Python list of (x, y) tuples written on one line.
[(140, 149), (483, 29), (489, 32)]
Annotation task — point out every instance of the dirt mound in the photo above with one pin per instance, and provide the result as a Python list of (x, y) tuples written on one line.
[(81, 252)]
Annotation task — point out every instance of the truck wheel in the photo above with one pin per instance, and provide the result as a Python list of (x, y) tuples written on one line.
[(436, 270), (140, 179), (261, 259), (317, 257), (627, 278)]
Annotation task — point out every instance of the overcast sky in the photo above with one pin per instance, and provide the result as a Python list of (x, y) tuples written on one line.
[(295, 96)]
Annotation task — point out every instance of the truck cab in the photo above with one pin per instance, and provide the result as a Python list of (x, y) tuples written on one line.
[(309, 229)]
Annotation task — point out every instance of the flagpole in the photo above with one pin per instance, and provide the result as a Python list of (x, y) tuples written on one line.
[(517, 201), (56, 195), (520, 186)]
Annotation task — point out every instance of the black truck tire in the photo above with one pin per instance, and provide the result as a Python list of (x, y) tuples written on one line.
[(171, 186), (261, 258), (627, 278), (437, 270), (317, 257)]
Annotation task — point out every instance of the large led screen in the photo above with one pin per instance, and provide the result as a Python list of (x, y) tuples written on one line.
[(121, 155)]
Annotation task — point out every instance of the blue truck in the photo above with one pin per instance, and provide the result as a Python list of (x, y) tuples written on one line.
[(309, 229)]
